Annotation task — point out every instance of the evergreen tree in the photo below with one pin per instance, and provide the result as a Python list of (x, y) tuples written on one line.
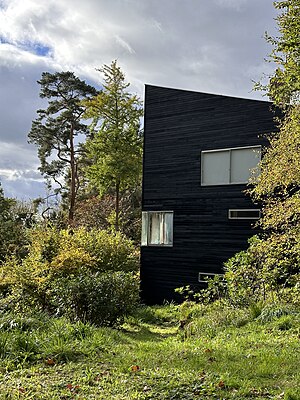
[(55, 131)]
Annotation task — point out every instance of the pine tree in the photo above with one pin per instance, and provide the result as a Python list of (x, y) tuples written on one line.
[(55, 131)]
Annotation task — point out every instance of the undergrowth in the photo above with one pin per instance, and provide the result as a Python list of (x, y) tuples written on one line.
[(170, 352)]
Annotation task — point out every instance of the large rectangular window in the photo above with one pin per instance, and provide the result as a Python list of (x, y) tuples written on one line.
[(157, 228), (229, 166)]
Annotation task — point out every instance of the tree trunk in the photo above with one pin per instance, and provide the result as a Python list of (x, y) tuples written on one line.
[(72, 180), (117, 206)]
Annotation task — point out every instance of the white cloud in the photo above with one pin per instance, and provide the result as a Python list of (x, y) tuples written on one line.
[(27, 175), (124, 44), (17, 158), (214, 46), (8, 174)]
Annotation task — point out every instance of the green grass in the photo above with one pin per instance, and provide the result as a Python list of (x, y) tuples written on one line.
[(217, 353)]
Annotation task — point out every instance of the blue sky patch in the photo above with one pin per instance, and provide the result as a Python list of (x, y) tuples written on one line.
[(41, 50), (3, 40), (3, 5), (36, 48)]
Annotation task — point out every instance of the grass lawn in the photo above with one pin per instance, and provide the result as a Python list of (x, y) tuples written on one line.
[(215, 352)]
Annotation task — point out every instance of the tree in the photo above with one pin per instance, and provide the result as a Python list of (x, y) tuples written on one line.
[(5, 206), (98, 212), (284, 85), (273, 258), (56, 128), (115, 150), (15, 217), (278, 186), (270, 267)]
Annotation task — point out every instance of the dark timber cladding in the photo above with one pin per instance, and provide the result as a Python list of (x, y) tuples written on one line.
[(179, 125)]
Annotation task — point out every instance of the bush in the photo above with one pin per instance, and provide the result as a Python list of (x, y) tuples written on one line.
[(216, 289), (266, 271), (78, 273), (274, 311), (101, 299), (72, 249), (111, 251), (209, 320)]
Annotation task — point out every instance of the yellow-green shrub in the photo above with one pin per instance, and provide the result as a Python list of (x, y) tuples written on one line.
[(62, 256), (268, 270), (71, 260)]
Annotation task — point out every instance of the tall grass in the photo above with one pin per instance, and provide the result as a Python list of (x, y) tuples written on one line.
[(174, 352)]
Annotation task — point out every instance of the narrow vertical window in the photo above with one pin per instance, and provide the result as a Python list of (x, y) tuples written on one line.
[(168, 229), (144, 240), (157, 228)]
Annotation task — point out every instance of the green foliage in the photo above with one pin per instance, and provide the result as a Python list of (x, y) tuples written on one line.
[(101, 299), (98, 212), (216, 289), (15, 218), (115, 150), (276, 311), (291, 395), (73, 261), (271, 264), (31, 339), (97, 250), (267, 270), (277, 187), (164, 315), (270, 268), (284, 84)]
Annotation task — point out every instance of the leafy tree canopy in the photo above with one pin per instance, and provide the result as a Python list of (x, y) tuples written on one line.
[(115, 150), (15, 217), (284, 84), (277, 187)]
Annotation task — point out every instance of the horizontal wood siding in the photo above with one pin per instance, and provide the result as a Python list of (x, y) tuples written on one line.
[(178, 126)]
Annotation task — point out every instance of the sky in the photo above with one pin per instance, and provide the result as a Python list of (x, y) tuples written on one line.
[(214, 46)]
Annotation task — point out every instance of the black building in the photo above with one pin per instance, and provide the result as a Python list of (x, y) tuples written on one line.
[(198, 152)]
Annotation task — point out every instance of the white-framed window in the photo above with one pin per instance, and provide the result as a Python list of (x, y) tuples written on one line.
[(244, 214), (229, 166), (157, 228)]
